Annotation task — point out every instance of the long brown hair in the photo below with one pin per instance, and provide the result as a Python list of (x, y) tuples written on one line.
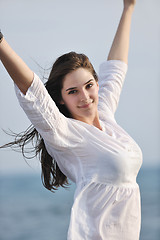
[(51, 175)]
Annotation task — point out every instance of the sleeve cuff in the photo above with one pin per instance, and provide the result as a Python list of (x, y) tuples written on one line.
[(117, 64), (31, 92)]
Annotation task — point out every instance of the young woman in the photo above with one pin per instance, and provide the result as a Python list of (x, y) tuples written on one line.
[(78, 138)]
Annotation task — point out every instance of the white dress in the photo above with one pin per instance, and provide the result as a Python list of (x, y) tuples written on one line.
[(103, 164)]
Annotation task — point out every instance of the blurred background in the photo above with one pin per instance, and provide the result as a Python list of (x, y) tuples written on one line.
[(40, 31)]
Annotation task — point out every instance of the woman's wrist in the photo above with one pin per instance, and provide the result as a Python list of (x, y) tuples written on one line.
[(129, 9)]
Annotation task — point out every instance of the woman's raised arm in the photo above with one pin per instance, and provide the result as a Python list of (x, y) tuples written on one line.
[(17, 69), (120, 45)]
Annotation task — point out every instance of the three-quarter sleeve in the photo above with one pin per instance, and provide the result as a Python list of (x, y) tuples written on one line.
[(111, 77), (38, 105), (56, 130)]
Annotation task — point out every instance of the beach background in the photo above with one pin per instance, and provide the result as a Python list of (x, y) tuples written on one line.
[(40, 31), (28, 211)]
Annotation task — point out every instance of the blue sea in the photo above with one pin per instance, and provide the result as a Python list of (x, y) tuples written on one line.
[(30, 212)]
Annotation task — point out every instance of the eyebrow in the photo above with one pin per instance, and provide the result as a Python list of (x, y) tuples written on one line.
[(68, 89)]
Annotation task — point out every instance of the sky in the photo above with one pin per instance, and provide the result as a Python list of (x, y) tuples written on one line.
[(40, 31)]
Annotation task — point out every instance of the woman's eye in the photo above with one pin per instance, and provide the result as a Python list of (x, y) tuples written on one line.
[(89, 85), (72, 91)]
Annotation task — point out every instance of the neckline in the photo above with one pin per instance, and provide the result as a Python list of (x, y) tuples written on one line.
[(87, 124), (103, 129)]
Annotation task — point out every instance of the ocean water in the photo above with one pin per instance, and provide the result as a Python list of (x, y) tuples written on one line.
[(30, 212)]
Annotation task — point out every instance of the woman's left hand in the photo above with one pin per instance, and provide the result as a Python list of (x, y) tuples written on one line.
[(128, 3)]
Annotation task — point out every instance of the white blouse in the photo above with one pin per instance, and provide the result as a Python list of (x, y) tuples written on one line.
[(103, 164)]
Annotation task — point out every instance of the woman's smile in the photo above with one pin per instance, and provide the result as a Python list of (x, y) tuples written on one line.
[(86, 105)]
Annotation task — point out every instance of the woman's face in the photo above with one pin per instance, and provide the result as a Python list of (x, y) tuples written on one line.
[(80, 95)]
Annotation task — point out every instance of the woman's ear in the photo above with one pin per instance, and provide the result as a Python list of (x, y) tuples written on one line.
[(97, 85)]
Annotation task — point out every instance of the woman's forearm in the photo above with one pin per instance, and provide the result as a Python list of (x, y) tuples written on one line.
[(120, 46), (17, 69)]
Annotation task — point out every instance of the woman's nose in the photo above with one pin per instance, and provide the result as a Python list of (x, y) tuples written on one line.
[(84, 96)]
